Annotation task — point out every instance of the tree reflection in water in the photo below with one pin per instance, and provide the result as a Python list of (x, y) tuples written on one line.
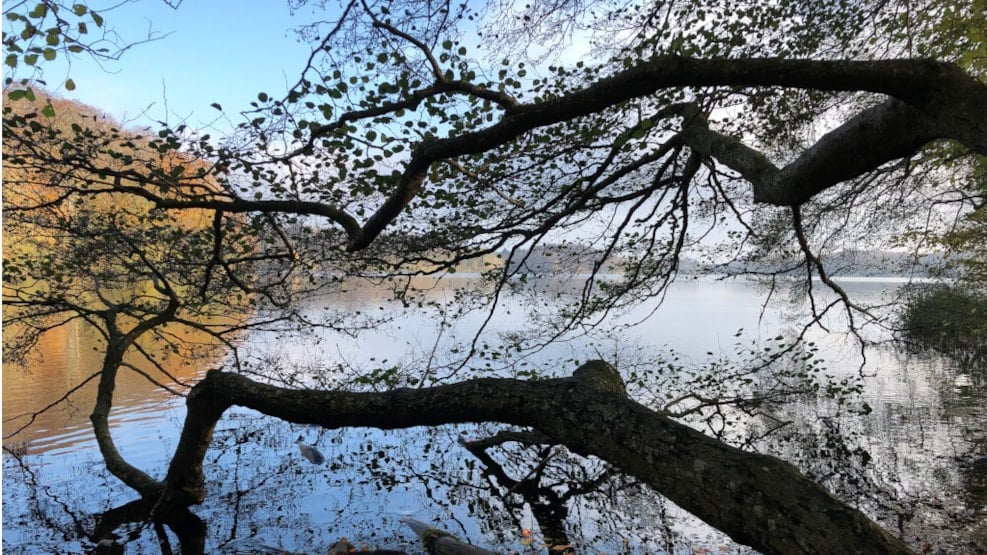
[(263, 494), (923, 476), (488, 489)]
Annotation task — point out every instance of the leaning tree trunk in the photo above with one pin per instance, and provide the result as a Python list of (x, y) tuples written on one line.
[(757, 500), (117, 344)]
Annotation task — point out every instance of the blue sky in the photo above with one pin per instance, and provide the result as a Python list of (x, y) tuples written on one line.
[(223, 51)]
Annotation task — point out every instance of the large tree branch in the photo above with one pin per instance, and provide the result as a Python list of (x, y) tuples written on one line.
[(129, 474), (937, 99), (758, 500), (885, 132), (117, 344), (929, 100)]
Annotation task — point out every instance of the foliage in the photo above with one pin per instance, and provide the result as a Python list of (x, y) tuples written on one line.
[(408, 147), (947, 318), (966, 244), (37, 33), (104, 251), (44, 32)]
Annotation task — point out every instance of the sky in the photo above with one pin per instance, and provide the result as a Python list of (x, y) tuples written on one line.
[(223, 51), (207, 51)]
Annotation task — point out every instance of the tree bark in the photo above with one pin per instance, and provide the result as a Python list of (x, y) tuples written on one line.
[(117, 344), (757, 500), (883, 133), (130, 475)]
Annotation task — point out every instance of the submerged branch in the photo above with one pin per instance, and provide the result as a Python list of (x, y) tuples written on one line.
[(757, 500)]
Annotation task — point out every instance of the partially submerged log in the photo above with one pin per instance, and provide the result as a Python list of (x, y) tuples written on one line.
[(757, 500), (439, 542)]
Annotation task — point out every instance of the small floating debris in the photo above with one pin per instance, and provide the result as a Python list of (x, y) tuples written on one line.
[(310, 452)]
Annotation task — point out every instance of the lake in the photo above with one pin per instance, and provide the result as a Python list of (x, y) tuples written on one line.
[(909, 449)]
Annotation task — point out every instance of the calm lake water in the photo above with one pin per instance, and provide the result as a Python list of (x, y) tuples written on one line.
[(923, 474)]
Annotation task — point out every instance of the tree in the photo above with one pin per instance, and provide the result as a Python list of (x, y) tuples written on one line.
[(134, 273), (408, 155)]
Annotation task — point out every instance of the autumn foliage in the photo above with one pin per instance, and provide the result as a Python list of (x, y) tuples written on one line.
[(74, 243)]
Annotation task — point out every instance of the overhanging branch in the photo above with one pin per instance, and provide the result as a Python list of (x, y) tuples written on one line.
[(930, 100), (886, 132)]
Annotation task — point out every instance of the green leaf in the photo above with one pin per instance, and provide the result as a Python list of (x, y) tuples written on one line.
[(28, 32), (69, 85), (17, 94), (97, 19), (39, 11), (48, 111), (79, 9), (49, 54)]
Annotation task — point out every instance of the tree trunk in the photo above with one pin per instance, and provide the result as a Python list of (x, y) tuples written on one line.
[(757, 500), (130, 475)]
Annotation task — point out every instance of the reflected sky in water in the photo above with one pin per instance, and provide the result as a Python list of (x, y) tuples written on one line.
[(924, 437)]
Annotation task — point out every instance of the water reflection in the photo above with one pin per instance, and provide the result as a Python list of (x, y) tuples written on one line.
[(910, 461), (67, 357), (923, 475)]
